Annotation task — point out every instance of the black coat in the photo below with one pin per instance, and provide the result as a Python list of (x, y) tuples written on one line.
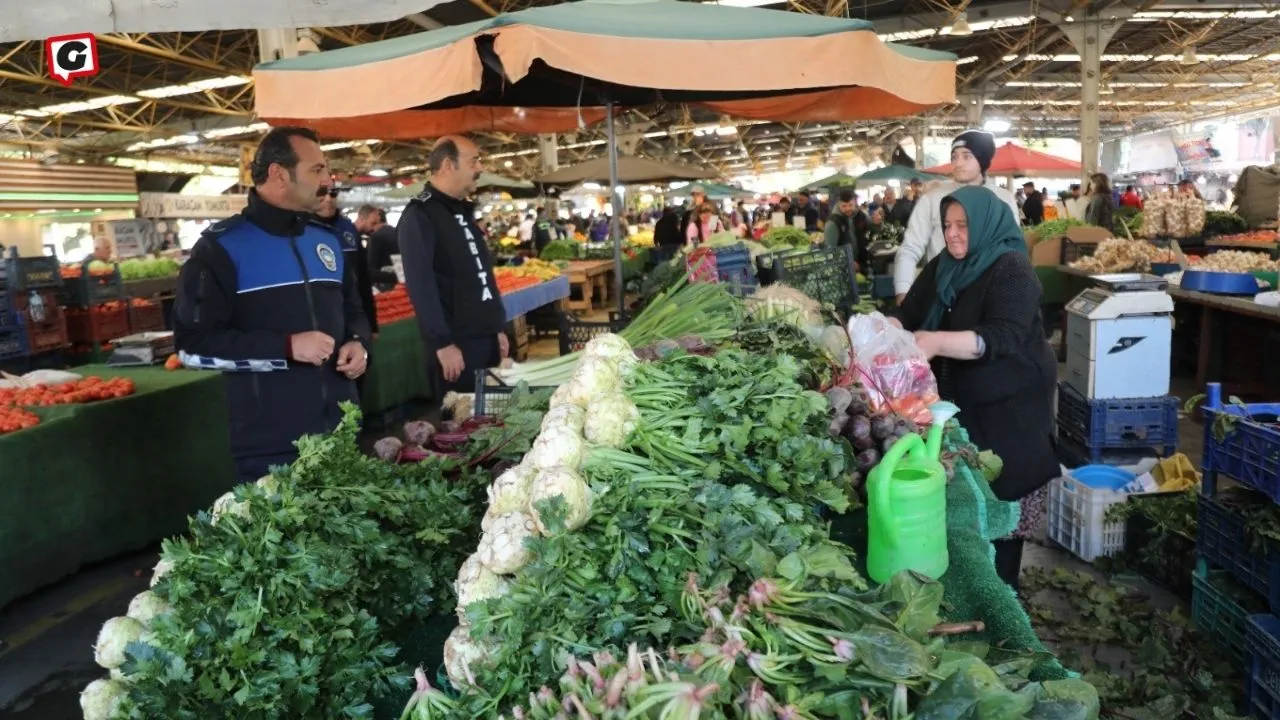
[(1006, 396)]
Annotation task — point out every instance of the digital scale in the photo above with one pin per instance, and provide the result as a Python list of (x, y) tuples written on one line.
[(1119, 337), (147, 348)]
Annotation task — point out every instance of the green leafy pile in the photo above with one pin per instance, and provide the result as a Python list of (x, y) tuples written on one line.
[(1219, 222), (148, 268), (744, 417), (1051, 229), (1146, 664), (779, 651), (785, 237), (288, 606), (560, 250)]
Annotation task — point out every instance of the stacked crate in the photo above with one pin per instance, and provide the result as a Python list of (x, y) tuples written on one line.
[(97, 312), (1089, 429), (31, 321), (1238, 575)]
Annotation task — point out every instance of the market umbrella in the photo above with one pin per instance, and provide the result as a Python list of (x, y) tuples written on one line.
[(559, 67), (715, 191), (629, 170), (837, 180), (901, 173), (1013, 160), (487, 181)]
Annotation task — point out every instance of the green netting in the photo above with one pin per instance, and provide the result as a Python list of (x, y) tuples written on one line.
[(972, 589)]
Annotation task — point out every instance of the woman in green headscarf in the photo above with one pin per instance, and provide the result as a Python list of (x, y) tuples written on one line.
[(975, 311)]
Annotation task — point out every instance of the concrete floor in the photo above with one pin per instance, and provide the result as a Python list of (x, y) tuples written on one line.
[(46, 639)]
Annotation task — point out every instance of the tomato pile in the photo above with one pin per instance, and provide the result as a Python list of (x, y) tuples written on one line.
[(13, 401), (393, 305), (510, 282)]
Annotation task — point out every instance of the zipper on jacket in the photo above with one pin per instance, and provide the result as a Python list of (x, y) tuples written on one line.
[(311, 308)]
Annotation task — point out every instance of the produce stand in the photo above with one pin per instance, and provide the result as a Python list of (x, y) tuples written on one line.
[(589, 278), (93, 481), (398, 360)]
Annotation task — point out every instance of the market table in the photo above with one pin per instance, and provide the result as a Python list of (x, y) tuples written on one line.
[(589, 276), (93, 481), (1211, 350), (398, 360)]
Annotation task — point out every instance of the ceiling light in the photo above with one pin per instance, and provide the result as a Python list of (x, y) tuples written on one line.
[(1189, 56), (997, 126), (961, 27), (195, 87), (508, 163)]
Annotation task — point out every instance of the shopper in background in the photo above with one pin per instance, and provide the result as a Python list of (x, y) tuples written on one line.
[(267, 299), (701, 229), (449, 272), (383, 244), (353, 255), (1033, 206), (848, 225), (525, 232), (971, 154), (666, 234), (1102, 207), (697, 197), (1130, 198), (807, 209), (1074, 205), (975, 312)]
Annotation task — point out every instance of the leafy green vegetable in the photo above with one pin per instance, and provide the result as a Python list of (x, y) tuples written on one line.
[(290, 610), (560, 250), (1219, 222), (1051, 229), (784, 237)]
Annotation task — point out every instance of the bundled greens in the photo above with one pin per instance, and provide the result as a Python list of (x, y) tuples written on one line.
[(286, 604), (559, 250), (703, 309)]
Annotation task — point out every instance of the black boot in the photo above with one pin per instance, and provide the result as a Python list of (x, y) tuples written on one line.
[(1009, 561)]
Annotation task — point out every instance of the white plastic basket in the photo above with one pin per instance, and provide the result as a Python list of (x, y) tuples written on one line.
[(1074, 516)]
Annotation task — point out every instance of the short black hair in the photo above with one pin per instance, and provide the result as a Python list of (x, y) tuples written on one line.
[(846, 196), (446, 149), (1029, 184), (276, 148)]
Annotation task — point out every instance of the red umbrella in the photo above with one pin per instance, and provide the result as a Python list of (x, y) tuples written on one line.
[(1013, 160)]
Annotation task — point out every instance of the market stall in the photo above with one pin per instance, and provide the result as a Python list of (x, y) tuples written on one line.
[(398, 360), (97, 479)]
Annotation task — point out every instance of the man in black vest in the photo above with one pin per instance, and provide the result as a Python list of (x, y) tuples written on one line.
[(449, 271)]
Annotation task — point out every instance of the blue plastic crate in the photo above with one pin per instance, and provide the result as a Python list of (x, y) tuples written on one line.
[(1222, 540), (13, 342), (1073, 454), (1262, 674), (1218, 615), (1249, 448), (1118, 423)]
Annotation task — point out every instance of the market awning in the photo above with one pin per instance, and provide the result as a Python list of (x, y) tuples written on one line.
[(552, 69), (715, 191), (1013, 160), (630, 170)]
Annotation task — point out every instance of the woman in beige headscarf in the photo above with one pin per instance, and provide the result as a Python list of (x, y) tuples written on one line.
[(703, 226)]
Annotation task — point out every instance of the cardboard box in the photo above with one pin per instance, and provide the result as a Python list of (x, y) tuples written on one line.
[(1050, 252)]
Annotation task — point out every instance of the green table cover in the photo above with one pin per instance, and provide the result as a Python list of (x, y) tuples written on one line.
[(94, 481), (397, 368)]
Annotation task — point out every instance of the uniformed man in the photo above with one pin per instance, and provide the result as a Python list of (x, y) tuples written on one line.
[(267, 299), (543, 231), (352, 254), (449, 271)]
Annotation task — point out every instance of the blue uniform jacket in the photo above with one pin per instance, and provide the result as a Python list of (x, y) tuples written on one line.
[(251, 282)]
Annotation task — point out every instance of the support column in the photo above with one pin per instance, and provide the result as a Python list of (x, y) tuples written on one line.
[(1090, 37), (550, 152), (974, 103), (277, 44), (919, 131)]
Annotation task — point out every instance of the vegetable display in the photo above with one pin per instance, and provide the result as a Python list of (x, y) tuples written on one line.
[(15, 403), (781, 238), (559, 250)]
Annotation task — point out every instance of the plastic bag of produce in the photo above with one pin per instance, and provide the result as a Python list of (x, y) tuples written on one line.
[(1153, 218), (892, 368)]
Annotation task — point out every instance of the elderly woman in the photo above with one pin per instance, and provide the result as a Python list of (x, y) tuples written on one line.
[(975, 312)]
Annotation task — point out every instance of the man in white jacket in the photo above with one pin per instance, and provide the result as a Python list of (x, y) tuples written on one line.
[(971, 154)]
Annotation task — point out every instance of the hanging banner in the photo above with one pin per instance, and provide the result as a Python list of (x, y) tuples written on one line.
[(130, 238), (1151, 152), (199, 207), (1256, 141)]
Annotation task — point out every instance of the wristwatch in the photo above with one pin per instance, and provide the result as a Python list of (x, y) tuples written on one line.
[(363, 345)]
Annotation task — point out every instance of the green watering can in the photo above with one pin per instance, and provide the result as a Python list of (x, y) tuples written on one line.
[(907, 513)]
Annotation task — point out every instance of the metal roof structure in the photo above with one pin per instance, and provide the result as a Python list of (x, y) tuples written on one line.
[(186, 97)]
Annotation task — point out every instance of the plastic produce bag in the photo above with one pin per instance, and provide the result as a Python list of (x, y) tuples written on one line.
[(892, 368)]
